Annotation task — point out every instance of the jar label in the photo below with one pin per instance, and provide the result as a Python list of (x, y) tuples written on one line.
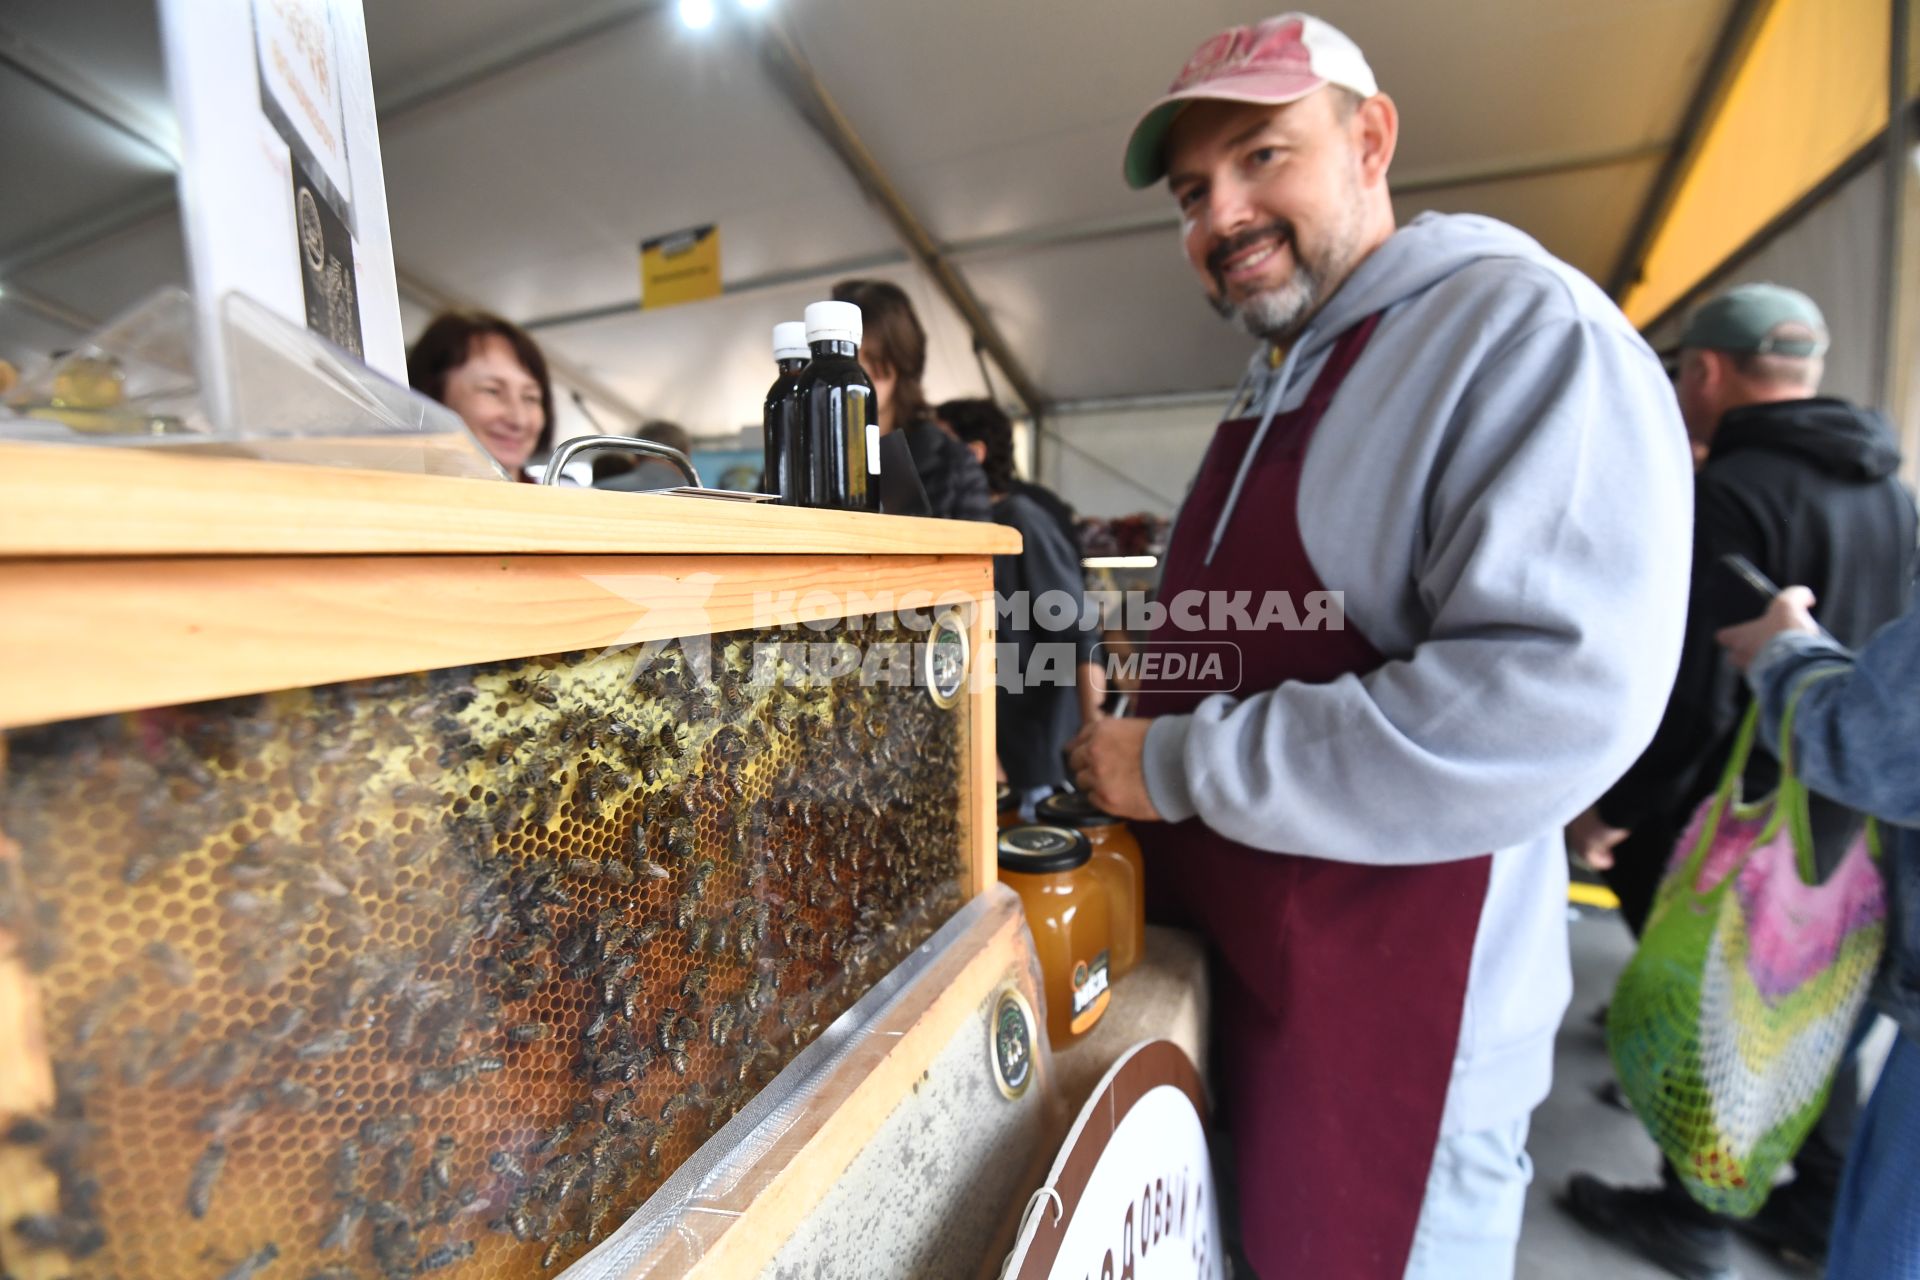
[(1089, 992)]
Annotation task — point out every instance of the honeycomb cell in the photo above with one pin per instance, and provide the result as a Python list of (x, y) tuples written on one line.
[(471, 957)]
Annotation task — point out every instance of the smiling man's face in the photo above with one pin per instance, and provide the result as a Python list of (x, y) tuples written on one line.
[(1273, 207)]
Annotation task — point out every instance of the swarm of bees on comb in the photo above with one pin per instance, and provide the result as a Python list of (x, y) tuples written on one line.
[(443, 974)]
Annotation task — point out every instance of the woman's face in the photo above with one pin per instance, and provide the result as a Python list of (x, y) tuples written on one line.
[(499, 400)]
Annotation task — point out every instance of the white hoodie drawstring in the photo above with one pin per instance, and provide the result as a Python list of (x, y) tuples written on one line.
[(1274, 398)]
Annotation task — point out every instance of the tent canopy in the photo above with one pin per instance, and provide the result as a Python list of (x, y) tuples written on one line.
[(530, 146)]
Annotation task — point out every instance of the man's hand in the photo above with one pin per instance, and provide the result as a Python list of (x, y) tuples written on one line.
[(1591, 841), (1788, 612), (1105, 760)]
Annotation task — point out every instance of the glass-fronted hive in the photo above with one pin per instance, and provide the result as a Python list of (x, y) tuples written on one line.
[(444, 973)]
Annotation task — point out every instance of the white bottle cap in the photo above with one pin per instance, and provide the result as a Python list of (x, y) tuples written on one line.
[(790, 340), (833, 322)]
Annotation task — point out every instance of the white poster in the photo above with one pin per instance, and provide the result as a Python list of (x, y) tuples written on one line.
[(281, 191), (1131, 1193)]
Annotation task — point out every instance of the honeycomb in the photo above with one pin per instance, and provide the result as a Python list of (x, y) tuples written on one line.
[(442, 974)]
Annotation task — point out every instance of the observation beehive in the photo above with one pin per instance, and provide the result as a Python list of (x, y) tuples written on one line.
[(442, 974)]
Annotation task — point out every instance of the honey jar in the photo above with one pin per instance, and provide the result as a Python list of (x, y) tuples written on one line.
[(1007, 806), (1116, 859), (1067, 910)]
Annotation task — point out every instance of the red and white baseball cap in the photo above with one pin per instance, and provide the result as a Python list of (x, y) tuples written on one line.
[(1274, 62)]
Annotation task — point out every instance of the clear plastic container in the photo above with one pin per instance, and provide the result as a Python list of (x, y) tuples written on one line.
[(1116, 858), (1068, 911)]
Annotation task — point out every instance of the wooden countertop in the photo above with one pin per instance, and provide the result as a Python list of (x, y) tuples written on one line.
[(1165, 998), (74, 500)]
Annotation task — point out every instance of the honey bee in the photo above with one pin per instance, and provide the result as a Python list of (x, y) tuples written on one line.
[(223, 1119), (346, 1169), (440, 1162), (346, 1224), (445, 1255), (175, 968), (559, 1247), (95, 1014), (554, 1139), (438, 1079), (380, 1131), (325, 1045), (206, 1173), (398, 1164)]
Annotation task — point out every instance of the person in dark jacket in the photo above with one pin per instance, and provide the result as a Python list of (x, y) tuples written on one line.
[(1063, 687), (972, 422), (1805, 487), (1856, 737), (893, 351)]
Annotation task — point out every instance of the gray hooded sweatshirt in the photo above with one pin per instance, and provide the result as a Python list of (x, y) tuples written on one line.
[(1502, 492)]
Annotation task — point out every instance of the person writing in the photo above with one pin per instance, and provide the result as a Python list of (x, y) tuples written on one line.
[(489, 371), (1436, 527)]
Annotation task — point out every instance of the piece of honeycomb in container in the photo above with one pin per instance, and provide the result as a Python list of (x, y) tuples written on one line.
[(442, 974)]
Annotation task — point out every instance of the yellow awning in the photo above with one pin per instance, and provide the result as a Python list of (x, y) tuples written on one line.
[(1810, 92)]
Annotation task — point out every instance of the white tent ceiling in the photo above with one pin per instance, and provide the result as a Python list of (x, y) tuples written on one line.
[(529, 145)]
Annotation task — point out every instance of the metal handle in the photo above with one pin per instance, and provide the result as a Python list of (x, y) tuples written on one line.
[(573, 448)]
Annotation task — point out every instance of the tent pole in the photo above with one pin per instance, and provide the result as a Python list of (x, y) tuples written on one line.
[(1889, 378), (793, 75), (1729, 53)]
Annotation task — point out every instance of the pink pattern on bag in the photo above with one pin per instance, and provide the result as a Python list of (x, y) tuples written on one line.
[(1730, 843), (1795, 929)]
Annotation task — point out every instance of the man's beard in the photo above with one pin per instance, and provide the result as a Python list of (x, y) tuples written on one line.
[(1279, 315)]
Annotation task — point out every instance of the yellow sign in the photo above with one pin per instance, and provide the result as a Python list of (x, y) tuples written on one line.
[(681, 267)]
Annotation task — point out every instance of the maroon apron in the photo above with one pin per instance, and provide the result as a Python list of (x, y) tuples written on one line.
[(1339, 987)]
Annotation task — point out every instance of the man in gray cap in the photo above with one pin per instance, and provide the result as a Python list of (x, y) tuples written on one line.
[(1804, 487)]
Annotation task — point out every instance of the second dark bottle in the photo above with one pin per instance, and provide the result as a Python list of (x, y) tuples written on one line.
[(839, 455), (781, 417)]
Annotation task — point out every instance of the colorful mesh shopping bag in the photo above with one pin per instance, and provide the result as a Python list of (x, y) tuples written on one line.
[(1730, 1020)]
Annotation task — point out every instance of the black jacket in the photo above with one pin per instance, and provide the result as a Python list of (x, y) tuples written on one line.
[(956, 486), (1033, 724), (1806, 490), (1054, 505)]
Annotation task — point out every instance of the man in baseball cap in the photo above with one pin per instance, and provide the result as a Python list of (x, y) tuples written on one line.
[(1436, 526)]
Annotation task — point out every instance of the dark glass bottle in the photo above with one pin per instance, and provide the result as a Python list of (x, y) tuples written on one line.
[(781, 419), (840, 428)]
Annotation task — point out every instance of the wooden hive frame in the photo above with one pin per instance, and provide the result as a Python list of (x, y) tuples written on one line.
[(140, 578)]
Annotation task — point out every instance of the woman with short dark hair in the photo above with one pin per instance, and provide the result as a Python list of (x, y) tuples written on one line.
[(893, 351), (490, 372)]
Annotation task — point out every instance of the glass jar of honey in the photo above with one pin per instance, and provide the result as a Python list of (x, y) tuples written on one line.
[(1067, 910), (1116, 859), (1007, 806)]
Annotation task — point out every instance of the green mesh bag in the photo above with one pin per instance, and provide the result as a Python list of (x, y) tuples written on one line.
[(1728, 1024)]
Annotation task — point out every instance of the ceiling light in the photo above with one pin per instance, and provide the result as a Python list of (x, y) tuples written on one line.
[(697, 14)]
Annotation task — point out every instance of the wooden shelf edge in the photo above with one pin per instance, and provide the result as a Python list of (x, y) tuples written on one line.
[(61, 500)]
